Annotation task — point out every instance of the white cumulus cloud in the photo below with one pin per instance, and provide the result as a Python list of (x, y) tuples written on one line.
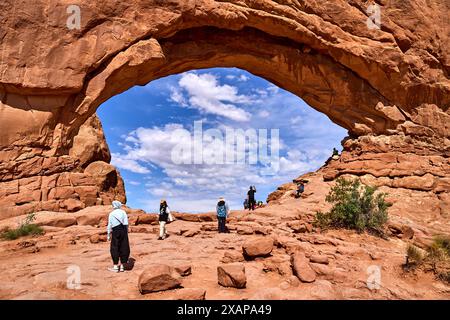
[(208, 96)]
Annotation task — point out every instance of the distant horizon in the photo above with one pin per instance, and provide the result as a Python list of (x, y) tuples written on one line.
[(139, 125)]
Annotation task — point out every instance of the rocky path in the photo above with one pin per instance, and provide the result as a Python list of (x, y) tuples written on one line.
[(340, 261)]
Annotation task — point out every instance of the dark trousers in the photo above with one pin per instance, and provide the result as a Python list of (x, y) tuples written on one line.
[(120, 247), (251, 204), (222, 221)]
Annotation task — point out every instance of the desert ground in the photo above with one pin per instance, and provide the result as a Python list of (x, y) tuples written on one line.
[(332, 264)]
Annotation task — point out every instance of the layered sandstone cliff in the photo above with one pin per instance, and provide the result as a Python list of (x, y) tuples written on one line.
[(388, 86), (70, 182)]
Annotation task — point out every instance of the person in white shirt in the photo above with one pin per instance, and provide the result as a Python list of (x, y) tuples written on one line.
[(117, 231)]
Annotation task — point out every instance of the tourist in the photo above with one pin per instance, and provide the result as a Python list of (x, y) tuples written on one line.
[(245, 204), (223, 211), (164, 217), (118, 227), (335, 152), (300, 189), (335, 155), (251, 198)]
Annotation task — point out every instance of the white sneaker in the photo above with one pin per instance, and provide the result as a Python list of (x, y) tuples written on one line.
[(114, 269), (122, 268)]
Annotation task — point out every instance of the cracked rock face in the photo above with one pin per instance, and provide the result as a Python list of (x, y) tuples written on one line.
[(389, 87)]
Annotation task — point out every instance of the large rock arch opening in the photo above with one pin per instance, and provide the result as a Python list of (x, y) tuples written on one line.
[(389, 87)]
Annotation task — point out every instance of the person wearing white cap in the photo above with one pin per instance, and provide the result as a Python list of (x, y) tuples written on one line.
[(223, 211), (120, 246)]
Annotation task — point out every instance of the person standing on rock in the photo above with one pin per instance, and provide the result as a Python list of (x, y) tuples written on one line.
[(300, 189), (223, 211), (118, 228), (335, 155), (164, 213), (251, 198)]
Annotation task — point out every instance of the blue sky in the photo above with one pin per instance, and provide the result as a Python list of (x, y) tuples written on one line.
[(141, 127)]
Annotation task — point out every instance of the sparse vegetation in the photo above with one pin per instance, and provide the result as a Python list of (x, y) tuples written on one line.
[(24, 229), (413, 255), (355, 206), (435, 259), (443, 243)]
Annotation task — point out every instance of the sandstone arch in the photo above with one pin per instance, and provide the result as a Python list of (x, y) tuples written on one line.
[(390, 87)]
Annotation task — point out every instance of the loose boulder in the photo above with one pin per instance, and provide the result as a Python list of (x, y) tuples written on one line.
[(301, 267), (257, 247), (183, 270), (319, 259), (158, 277), (232, 275), (190, 294), (232, 256)]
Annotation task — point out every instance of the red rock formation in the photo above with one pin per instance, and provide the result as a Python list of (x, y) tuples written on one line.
[(67, 183), (389, 87)]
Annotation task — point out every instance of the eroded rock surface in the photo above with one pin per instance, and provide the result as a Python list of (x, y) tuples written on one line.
[(388, 86), (314, 265)]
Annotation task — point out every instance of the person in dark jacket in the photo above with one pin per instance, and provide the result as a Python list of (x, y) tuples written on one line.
[(120, 246), (164, 213), (223, 211), (251, 198), (300, 189)]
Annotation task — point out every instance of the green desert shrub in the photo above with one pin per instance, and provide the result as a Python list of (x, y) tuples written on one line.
[(436, 257), (413, 255), (355, 206), (443, 243), (24, 229)]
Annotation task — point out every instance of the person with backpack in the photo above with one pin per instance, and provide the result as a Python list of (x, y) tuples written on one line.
[(117, 233), (164, 217), (300, 189), (223, 211), (251, 198)]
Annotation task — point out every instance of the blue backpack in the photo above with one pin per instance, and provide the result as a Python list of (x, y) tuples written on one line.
[(222, 211)]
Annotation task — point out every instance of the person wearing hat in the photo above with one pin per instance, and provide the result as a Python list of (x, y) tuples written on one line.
[(164, 213), (120, 246), (222, 213)]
